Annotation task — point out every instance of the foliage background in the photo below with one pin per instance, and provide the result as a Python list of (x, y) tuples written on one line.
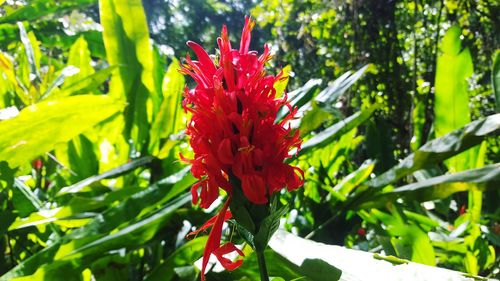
[(91, 183)]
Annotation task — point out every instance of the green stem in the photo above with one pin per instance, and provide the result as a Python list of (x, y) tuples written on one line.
[(262, 266)]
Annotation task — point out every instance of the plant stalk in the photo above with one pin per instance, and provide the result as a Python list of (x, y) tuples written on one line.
[(262, 266)]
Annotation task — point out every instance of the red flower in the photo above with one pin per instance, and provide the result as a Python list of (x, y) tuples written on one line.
[(234, 132)]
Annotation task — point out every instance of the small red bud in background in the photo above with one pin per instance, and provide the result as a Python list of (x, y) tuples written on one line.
[(462, 210), (361, 232), (37, 164)]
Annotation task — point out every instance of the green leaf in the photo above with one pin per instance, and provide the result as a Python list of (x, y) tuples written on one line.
[(36, 9), (129, 236), (451, 105), (241, 211), (268, 227), (338, 87), (350, 264), (67, 72), (313, 118), (25, 201), (137, 204), (83, 250), (440, 149), (300, 96), (185, 255), (277, 266), (31, 264), (79, 57), (27, 135), (82, 158), (126, 37), (438, 187), (326, 136), (353, 180), (495, 79), (136, 163), (30, 54), (168, 121), (86, 84)]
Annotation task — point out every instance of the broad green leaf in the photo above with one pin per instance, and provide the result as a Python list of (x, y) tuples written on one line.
[(169, 119), (86, 84), (90, 248), (349, 264), (277, 267), (79, 57), (409, 241), (185, 255), (495, 79), (90, 245), (36, 9), (126, 37), (55, 271), (313, 118), (451, 103), (351, 181), (38, 128), (67, 72), (114, 267), (415, 245), (30, 265), (129, 236), (336, 130), (269, 226), (82, 158), (24, 200), (438, 187), (135, 205), (440, 149)]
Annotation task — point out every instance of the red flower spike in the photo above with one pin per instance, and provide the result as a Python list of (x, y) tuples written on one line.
[(234, 133)]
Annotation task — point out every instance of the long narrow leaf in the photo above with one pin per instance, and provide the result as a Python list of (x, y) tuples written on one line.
[(495, 79), (140, 162), (336, 130), (440, 149), (438, 187)]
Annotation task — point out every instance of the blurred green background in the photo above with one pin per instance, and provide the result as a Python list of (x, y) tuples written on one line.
[(398, 104)]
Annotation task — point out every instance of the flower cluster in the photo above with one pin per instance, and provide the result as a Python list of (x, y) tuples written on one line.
[(234, 131)]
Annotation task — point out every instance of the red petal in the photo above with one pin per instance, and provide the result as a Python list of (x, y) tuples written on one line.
[(293, 181), (213, 242), (194, 192), (254, 189), (225, 151), (246, 35), (225, 262), (226, 58), (209, 223), (205, 61)]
